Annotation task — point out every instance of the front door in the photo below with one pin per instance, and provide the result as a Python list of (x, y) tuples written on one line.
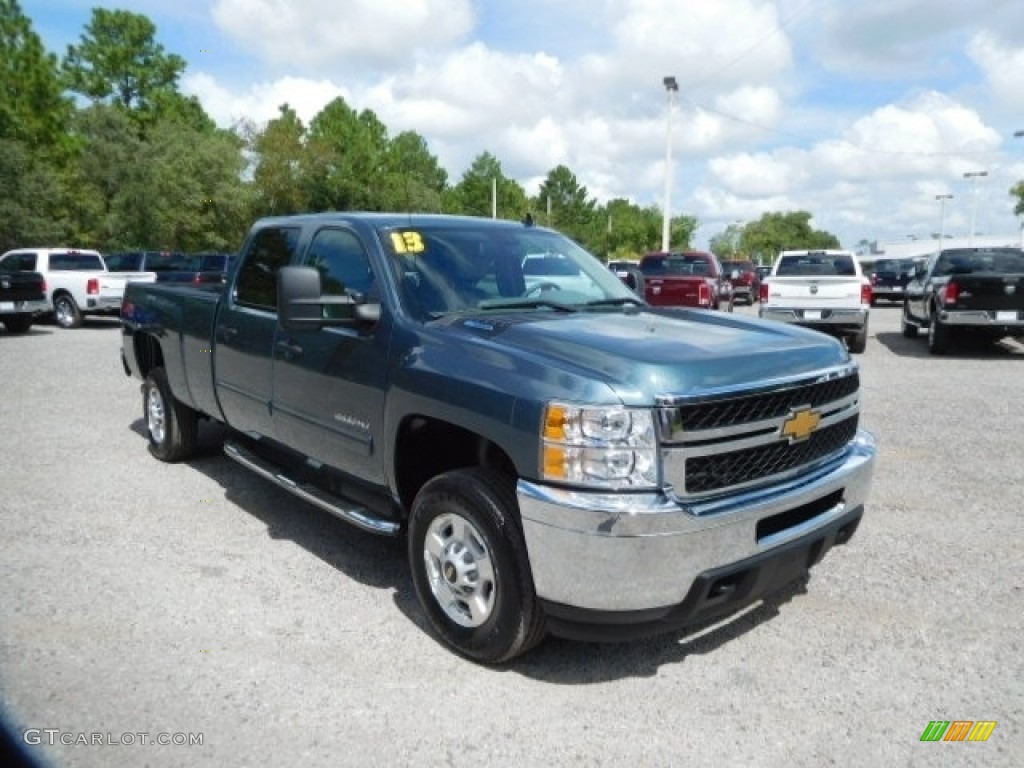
[(328, 397)]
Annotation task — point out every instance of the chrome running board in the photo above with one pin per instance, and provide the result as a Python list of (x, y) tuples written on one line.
[(348, 511)]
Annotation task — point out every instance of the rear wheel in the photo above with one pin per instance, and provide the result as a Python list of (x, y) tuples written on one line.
[(470, 567), (172, 426), (938, 336), (66, 311), (18, 323), (859, 341)]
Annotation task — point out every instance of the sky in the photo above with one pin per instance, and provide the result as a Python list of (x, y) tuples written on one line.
[(859, 113)]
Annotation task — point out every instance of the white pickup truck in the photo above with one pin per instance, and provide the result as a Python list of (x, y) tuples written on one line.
[(77, 281), (821, 289)]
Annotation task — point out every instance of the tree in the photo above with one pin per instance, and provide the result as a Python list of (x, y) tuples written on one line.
[(416, 181), (482, 185), (118, 59), (278, 184), (345, 159), (774, 232), (29, 190), (726, 244), (1017, 190), (33, 108), (567, 206)]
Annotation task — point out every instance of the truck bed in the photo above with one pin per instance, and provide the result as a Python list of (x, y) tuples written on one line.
[(186, 314)]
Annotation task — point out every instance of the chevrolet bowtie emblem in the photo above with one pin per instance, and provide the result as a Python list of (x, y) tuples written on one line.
[(800, 424)]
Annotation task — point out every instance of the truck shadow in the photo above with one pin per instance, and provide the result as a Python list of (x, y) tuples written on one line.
[(379, 562), (964, 349), (570, 662)]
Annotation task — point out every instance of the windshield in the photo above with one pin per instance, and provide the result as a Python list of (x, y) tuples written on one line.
[(445, 268)]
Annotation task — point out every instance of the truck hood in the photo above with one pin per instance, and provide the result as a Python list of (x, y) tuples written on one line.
[(642, 355)]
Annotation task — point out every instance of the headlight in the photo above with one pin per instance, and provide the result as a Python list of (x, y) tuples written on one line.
[(605, 447)]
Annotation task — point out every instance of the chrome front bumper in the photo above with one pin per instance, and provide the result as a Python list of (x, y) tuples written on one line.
[(626, 552)]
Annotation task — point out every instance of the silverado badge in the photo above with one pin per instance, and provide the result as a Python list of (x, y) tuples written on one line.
[(800, 424)]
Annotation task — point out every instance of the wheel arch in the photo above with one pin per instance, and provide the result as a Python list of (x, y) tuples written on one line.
[(148, 353), (426, 447)]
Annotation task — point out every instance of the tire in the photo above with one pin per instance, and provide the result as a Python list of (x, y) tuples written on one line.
[(19, 323), (66, 312), (859, 341), (938, 336), (172, 427), (470, 568), (908, 328)]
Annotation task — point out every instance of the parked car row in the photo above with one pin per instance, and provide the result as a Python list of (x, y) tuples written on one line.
[(79, 282)]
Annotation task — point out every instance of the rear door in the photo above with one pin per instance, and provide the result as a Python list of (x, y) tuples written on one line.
[(244, 331)]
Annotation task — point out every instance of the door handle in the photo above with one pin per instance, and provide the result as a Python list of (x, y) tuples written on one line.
[(288, 348), (227, 332)]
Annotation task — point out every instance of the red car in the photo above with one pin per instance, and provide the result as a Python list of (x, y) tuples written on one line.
[(688, 279), (744, 278)]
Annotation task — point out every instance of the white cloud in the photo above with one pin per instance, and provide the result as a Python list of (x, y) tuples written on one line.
[(260, 101), (1003, 67), (322, 34)]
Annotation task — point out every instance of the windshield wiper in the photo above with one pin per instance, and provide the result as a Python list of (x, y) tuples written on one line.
[(528, 304), (621, 301)]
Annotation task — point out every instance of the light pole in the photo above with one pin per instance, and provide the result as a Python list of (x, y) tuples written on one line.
[(671, 89), (1017, 135), (973, 176), (942, 218)]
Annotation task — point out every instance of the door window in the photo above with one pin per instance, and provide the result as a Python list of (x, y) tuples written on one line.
[(269, 250)]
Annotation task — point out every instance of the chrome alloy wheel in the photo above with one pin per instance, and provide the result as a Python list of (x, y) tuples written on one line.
[(156, 419), (460, 570), (63, 312)]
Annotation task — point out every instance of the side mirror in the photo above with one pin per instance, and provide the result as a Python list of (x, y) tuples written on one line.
[(301, 306), (298, 299)]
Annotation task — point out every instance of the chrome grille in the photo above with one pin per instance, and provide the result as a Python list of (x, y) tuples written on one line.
[(720, 442)]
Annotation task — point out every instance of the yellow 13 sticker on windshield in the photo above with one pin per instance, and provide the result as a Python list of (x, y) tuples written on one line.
[(407, 242)]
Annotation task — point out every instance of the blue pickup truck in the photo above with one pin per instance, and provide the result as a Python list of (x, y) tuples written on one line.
[(560, 456)]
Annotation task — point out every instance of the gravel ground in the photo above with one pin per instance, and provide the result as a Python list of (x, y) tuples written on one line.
[(143, 598)]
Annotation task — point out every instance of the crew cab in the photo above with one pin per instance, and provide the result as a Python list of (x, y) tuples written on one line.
[(77, 281), (22, 297), (970, 292), (687, 279), (559, 461), (821, 289)]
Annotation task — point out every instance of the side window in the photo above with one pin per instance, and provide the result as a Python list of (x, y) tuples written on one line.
[(343, 264), (269, 250)]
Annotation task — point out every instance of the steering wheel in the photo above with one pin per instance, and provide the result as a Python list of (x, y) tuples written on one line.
[(544, 287)]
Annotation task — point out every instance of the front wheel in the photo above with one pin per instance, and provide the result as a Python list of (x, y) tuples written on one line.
[(66, 311), (470, 567), (172, 426), (908, 328)]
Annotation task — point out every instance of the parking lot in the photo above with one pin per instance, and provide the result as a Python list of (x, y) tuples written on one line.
[(145, 598)]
